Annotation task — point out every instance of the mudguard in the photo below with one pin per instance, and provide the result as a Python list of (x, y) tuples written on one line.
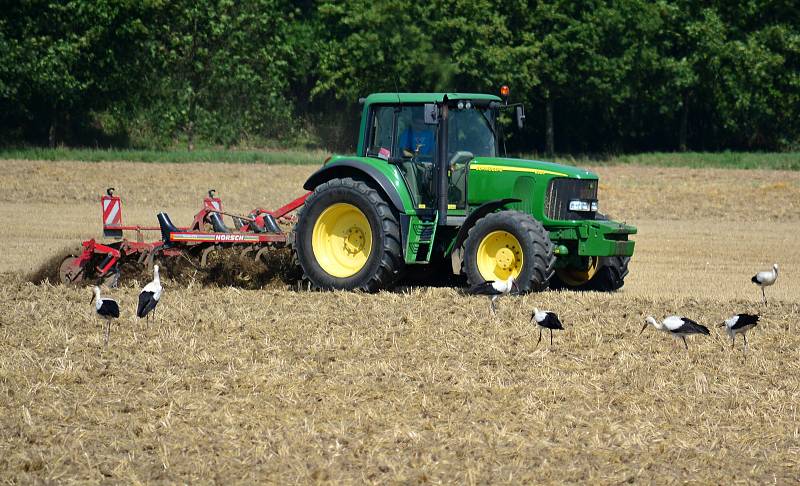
[(349, 167), (478, 213)]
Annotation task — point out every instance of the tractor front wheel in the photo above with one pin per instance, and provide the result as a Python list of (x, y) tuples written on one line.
[(603, 274), (509, 243), (606, 274), (348, 238)]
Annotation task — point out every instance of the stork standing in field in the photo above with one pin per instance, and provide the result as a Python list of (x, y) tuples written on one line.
[(677, 326), (149, 296), (739, 324), (546, 320), (494, 289), (106, 308), (765, 279)]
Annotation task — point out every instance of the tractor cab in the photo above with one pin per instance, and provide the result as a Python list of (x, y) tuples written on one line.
[(431, 139)]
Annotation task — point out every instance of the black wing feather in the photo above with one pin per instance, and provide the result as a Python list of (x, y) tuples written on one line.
[(551, 321), (689, 326), (745, 320), (109, 308), (147, 302)]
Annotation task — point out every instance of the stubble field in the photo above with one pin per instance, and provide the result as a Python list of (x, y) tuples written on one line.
[(415, 385)]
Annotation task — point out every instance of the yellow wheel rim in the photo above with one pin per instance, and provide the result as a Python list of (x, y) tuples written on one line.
[(341, 240), (499, 256), (574, 278)]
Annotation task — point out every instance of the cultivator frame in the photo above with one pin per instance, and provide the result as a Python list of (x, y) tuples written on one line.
[(257, 232)]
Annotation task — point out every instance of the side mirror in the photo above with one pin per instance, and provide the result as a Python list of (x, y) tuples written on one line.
[(520, 116), (431, 114)]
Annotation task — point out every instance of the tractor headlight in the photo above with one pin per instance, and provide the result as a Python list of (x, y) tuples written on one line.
[(578, 205)]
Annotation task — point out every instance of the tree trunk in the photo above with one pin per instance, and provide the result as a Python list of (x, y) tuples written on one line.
[(549, 134), (190, 136), (682, 134), (51, 133), (190, 124)]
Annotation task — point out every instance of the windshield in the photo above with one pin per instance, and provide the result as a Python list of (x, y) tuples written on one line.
[(471, 130)]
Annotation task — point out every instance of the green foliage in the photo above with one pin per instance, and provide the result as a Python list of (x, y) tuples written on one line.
[(596, 76), (62, 60), (225, 70)]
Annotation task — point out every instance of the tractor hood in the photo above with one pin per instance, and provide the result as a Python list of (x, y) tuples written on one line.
[(533, 167), (541, 187)]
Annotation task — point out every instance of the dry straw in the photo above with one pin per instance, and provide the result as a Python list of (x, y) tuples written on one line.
[(416, 385)]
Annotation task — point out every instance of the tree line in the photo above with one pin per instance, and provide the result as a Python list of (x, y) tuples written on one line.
[(596, 76)]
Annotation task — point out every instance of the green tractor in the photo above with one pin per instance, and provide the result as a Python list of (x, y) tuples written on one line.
[(428, 187)]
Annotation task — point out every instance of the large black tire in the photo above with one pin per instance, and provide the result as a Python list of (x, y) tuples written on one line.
[(385, 259), (610, 274), (538, 260)]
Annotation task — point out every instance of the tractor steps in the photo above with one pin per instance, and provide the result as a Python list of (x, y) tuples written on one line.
[(419, 243)]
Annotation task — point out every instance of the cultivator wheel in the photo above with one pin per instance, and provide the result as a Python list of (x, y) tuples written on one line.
[(70, 272)]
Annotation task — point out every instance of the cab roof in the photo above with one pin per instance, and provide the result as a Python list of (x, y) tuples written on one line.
[(392, 98)]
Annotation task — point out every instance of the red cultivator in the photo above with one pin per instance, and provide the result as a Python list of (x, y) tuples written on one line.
[(257, 232)]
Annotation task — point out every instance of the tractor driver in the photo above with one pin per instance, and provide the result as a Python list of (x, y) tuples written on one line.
[(417, 139)]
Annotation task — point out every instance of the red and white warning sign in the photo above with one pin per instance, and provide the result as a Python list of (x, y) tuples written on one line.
[(112, 210), (213, 202)]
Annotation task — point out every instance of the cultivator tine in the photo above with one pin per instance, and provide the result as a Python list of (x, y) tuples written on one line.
[(263, 251), (204, 255)]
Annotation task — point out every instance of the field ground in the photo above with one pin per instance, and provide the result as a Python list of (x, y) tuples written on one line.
[(416, 385), (697, 160)]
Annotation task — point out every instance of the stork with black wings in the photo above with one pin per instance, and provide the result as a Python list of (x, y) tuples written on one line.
[(150, 296)]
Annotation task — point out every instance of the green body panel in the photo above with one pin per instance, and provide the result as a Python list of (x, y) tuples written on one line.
[(492, 178)]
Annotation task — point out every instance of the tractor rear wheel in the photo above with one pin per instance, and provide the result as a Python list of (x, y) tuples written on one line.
[(348, 238), (509, 243)]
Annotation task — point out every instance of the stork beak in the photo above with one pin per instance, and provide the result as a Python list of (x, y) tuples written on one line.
[(643, 328), (92, 300), (721, 325)]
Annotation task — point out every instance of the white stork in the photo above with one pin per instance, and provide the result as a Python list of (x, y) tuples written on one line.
[(149, 296), (740, 324), (677, 326), (494, 289), (765, 279), (106, 308), (546, 320)]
